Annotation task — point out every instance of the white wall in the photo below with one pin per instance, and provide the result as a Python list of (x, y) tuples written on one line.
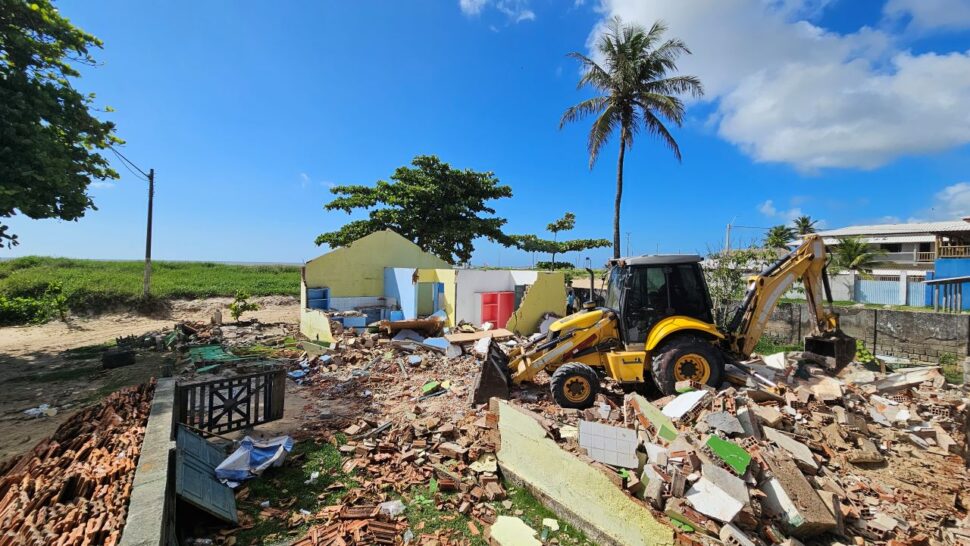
[(470, 282)]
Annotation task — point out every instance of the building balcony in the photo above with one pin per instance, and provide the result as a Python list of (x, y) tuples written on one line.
[(955, 252), (908, 258)]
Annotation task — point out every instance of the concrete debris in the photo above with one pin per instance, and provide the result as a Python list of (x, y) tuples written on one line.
[(608, 444), (512, 531), (795, 455)]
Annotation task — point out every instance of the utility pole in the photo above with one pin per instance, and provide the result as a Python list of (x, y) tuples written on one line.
[(628, 252), (148, 236), (727, 239)]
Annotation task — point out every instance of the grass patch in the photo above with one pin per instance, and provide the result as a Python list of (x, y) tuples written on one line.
[(767, 345), (93, 285), (952, 368), (66, 373), (287, 484)]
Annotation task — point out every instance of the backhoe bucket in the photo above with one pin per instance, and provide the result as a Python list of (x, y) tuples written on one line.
[(836, 350), (495, 378)]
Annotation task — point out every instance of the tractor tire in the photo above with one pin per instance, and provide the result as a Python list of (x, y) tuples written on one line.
[(687, 358), (574, 385)]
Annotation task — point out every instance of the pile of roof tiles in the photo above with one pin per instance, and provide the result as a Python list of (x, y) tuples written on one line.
[(73, 487)]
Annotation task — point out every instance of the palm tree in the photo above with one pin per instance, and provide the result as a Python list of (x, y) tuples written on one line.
[(634, 93), (779, 236), (804, 225), (854, 254)]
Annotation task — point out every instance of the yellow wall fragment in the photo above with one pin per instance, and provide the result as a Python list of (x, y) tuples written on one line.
[(446, 277), (357, 270), (547, 295), (314, 323)]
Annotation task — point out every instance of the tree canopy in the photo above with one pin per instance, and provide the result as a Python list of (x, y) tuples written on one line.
[(804, 225), (440, 208), (635, 92), (49, 137), (533, 243), (779, 236), (854, 254)]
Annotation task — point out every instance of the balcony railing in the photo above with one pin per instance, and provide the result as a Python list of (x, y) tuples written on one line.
[(954, 252), (911, 257)]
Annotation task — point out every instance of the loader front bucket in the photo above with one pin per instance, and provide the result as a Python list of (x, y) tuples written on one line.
[(495, 378), (836, 350)]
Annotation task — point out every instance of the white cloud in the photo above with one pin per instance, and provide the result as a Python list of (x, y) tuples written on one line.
[(931, 14), (789, 91), (515, 10), (768, 209), (304, 180), (471, 7), (101, 185), (950, 203)]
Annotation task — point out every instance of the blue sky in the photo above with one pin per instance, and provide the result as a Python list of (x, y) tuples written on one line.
[(851, 112)]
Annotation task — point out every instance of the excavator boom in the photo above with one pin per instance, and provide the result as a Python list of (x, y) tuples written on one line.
[(805, 263)]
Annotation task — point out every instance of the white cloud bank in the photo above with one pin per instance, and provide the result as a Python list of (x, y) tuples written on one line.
[(950, 203), (931, 14), (516, 10), (791, 92), (769, 209)]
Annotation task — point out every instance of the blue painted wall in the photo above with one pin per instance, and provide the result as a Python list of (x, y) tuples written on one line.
[(947, 268), (398, 285)]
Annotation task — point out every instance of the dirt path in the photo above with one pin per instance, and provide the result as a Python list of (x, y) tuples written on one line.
[(31, 342), (59, 363)]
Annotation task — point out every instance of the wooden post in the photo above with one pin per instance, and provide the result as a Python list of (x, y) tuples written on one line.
[(146, 288), (936, 297)]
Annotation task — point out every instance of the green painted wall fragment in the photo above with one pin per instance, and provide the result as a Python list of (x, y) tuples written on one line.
[(731, 453)]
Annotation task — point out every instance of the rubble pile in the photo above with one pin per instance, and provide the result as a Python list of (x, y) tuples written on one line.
[(866, 459), (785, 454), (73, 488)]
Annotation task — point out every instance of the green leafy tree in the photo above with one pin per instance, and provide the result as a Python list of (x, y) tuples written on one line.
[(727, 275), (49, 138), (634, 93), (804, 225), (579, 245), (566, 223), (440, 208), (854, 254), (779, 237)]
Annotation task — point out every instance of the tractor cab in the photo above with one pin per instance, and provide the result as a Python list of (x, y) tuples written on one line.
[(644, 290)]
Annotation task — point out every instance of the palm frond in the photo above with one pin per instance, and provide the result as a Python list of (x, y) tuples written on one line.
[(656, 126), (583, 109), (599, 134)]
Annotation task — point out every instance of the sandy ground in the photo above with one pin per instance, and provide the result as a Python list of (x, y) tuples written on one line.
[(47, 364), (30, 342)]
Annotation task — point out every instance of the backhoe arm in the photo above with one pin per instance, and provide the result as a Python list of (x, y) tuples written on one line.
[(807, 262)]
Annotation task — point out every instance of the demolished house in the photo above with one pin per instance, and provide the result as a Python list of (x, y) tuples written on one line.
[(383, 276)]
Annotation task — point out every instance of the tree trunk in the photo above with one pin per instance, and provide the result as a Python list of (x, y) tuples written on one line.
[(619, 195)]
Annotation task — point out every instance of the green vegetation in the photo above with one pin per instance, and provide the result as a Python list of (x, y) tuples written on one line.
[(779, 236), (533, 244), (636, 94), (241, 304), (854, 254), (35, 289), (952, 368), (441, 209), (768, 345), (50, 139), (287, 487)]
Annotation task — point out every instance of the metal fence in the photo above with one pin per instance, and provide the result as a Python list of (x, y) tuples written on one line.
[(873, 291)]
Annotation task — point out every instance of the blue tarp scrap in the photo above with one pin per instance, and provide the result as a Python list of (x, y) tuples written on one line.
[(252, 458)]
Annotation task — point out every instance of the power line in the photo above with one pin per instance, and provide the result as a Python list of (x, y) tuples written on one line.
[(126, 162)]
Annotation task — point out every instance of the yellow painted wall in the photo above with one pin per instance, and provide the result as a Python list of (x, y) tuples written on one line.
[(446, 277), (357, 270), (547, 295)]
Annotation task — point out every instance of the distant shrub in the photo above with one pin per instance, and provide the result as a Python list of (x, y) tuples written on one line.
[(553, 266)]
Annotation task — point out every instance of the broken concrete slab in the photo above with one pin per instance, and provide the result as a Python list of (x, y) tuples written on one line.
[(651, 417), (791, 498), (725, 422), (730, 535), (728, 482), (512, 531), (684, 404), (730, 453), (749, 422), (603, 511), (712, 501), (802, 454), (607, 444)]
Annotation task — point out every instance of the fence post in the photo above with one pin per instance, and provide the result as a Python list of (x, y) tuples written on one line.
[(903, 288)]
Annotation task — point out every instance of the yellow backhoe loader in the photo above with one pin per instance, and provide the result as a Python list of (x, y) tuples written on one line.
[(656, 323)]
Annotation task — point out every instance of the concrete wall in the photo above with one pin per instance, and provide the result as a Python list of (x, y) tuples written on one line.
[(357, 270), (546, 295), (919, 336), (400, 287)]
